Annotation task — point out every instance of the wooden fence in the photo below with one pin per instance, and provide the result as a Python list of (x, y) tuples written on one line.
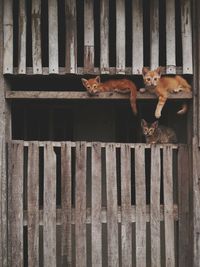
[(98, 204)]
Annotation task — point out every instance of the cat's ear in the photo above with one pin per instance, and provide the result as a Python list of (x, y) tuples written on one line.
[(83, 81), (155, 124), (98, 79), (144, 71), (143, 123), (159, 70)]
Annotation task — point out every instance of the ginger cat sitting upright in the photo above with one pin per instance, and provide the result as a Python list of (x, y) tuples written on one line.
[(94, 86), (163, 86)]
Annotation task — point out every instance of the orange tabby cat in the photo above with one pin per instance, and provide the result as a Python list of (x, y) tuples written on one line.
[(94, 86), (163, 86)]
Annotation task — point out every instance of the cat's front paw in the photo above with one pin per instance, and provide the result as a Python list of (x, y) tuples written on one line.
[(142, 90), (157, 114)]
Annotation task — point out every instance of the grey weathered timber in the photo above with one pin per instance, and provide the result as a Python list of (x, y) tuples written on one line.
[(155, 206), (120, 37), (186, 36), (36, 37), (154, 34), (104, 37), (126, 225), (112, 224), (66, 203), (183, 204), (33, 204), (170, 36), (137, 22), (22, 37), (71, 38), (8, 37), (49, 228), (96, 206), (140, 195), (80, 204), (53, 36), (168, 207), (88, 36)]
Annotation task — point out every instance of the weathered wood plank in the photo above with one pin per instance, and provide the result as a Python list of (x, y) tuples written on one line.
[(154, 34), (140, 194), (186, 36), (80, 204), (137, 22), (53, 36), (126, 230), (88, 36), (1, 172), (33, 205), (168, 206), (71, 36), (120, 37), (96, 206), (155, 206), (104, 37), (8, 37), (36, 37), (49, 228), (66, 204), (112, 224), (170, 36), (22, 37)]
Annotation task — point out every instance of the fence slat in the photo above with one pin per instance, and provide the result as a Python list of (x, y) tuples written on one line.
[(80, 204), (137, 21), (154, 34), (53, 36), (140, 193), (120, 37), (96, 206), (112, 220), (71, 36), (186, 36), (49, 229), (168, 206), (170, 37), (8, 37), (36, 37), (184, 224), (155, 206), (104, 38), (66, 204), (126, 205), (89, 36), (33, 205)]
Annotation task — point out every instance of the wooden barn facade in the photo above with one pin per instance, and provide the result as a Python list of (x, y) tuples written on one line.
[(78, 185)]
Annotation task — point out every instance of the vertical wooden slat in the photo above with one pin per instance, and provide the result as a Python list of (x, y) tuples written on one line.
[(88, 36), (112, 219), (49, 217), (33, 205), (168, 206), (66, 204), (36, 37), (80, 204), (104, 51), (186, 36), (137, 21), (53, 36), (155, 206), (154, 34), (120, 37), (170, 37), (126, 205), (140, 193), (8, 37), (96, 206), (22, 37), (71, 36), (1, 213), (183, 204)]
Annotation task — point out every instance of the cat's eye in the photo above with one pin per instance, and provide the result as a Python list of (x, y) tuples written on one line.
[(155, 79), (148, 79), (95, 86)]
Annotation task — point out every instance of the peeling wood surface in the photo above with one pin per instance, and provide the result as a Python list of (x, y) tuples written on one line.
[(154, 34)]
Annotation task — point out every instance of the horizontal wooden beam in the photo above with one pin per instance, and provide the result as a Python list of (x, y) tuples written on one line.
[(84, 95)]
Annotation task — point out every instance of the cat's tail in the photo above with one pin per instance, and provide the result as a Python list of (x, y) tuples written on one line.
[(133, 96), (184, 109), (183, 83)]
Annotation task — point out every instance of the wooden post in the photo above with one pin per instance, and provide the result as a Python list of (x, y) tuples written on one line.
[(154, 34)]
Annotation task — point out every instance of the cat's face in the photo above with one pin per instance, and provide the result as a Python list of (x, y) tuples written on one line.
[(149, 128), (151, 77), (91, 85)]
